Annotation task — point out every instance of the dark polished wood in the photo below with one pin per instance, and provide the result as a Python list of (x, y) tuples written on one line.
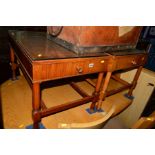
[(131, 60), (13, 64), (122, 64), (36, 104), (117, 90), (134, 82), (43, 106), (97, 90), (42, 60), (103, 90), (125, 85), (65, 106)]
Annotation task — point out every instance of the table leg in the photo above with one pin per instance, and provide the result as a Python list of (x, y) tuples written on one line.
[(97, 90), (13, 64), (103, 90), (36, 104), (134, 82)]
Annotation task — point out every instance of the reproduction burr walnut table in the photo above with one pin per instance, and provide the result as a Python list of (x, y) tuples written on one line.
[(41, 59)]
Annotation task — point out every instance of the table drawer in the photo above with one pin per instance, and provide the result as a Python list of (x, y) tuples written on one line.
[(69, 67), (89, 66), (131, 61)]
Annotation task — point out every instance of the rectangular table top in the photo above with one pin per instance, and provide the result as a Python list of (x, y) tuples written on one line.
[(38, 47)]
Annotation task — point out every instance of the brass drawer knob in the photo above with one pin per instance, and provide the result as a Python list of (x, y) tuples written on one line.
[(134, 62), (142, 58), (79, 69), (102, 61)]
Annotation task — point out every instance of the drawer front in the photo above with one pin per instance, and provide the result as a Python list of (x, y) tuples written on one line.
[(67, 68), (124, 62), (24, 61)]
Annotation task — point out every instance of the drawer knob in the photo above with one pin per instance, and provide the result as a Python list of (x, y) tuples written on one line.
[(143, 58), (79, 69), (133, 62), (102, 61)]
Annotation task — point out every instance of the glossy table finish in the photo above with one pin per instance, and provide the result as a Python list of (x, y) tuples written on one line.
[(43, 60)]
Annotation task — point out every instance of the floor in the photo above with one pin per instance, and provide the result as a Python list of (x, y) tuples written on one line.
[(16, 105)]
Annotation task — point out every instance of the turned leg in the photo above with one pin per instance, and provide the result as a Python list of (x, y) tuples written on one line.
[(13, 64), (103, 90), (36, 104), (97, 90), (134, 82)]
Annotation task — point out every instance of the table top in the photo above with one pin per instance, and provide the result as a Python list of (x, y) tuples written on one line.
[(38, 47)]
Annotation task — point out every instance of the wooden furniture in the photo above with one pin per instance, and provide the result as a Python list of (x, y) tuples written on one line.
[(42, 60), (131, 60), (118, 41), (17, 103), (145, 122), (83, 39)]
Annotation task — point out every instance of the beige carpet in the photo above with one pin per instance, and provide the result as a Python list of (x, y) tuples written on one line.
[(17, 98)]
